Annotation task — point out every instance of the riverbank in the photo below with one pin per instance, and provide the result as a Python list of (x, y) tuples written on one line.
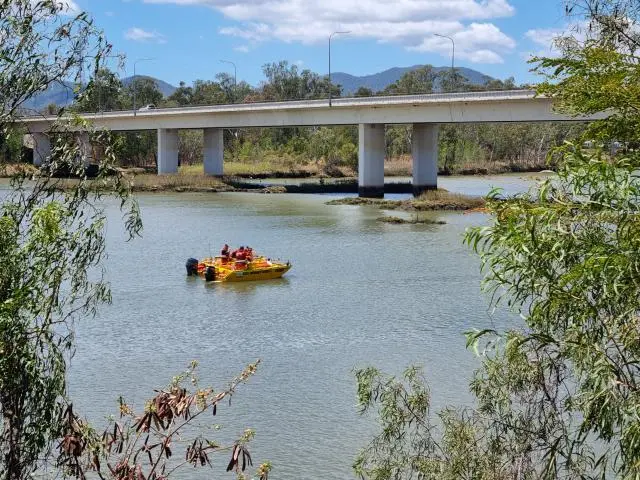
[(394, 167), (474, 186), (192, 176)]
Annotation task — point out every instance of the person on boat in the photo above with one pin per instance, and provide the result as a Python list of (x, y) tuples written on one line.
[(224, 253), (249, 253), (241, 259)]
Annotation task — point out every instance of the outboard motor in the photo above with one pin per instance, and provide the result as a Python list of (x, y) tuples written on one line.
[(192, 267), (210, 274)]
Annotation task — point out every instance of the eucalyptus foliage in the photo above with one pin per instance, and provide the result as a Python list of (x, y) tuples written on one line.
[(557, 395), (51, 240)]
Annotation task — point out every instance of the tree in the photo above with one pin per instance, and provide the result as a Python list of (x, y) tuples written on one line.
[(105, 93), (557, 397), (420, 80), (49, 240), (208, 93), (453, 81), (182, 96), (146, 92), (284, 82), (363, 92), (151, 444)]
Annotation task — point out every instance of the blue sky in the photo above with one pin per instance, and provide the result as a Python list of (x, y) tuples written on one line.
[(187, 38)]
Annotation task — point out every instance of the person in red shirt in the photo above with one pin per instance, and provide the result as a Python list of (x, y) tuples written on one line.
[(241, 259)]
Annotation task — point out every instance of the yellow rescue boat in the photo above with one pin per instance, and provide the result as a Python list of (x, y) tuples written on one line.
[(219, 269)]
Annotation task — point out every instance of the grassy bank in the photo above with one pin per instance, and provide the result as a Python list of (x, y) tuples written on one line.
[(147, 182), (394, 167), (433, 200), (274, 169)]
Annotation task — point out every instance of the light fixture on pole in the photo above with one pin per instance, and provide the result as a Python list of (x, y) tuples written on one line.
[(330, 36), (134, 80), (235, 79), (453, 56)]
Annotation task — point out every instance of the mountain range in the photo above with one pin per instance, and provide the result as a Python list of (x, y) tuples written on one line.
[(379, 81), (62, 94)]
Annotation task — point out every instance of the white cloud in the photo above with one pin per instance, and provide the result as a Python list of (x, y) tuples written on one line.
[(139, 35), (545, 39), (410, 23), (242, 48)]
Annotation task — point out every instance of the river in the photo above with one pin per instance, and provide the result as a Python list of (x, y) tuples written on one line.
[(360, 293)]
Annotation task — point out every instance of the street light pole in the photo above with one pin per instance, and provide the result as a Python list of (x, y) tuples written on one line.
[(235, 79), (134, 81), (453, 56), (330, 36)]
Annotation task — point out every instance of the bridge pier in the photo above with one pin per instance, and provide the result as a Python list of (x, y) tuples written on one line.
[(167, 151), (41, 148), (424, 148), (213, 151), (371, 153)]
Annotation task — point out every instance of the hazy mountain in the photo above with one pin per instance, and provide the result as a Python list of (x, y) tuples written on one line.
[(166, 88), (378, 81), (58, 93), (62, 93)]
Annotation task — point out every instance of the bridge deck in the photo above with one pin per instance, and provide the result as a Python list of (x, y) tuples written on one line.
[(499, 106)]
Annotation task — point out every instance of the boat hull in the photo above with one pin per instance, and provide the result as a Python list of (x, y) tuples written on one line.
[(253, 275), (218, 271)]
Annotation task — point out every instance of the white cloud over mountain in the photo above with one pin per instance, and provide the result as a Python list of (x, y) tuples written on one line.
[(410, 23)]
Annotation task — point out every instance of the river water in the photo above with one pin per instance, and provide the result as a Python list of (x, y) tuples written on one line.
[(360, 293)]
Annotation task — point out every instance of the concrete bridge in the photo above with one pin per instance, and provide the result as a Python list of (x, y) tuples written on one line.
[(371, 114)]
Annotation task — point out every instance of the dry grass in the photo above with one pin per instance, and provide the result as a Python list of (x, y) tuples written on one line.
[(181, 182), (271, 169), (399, 166), (13, 169), (259, 169), (443, 200), (160, 183), (432, 200)]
